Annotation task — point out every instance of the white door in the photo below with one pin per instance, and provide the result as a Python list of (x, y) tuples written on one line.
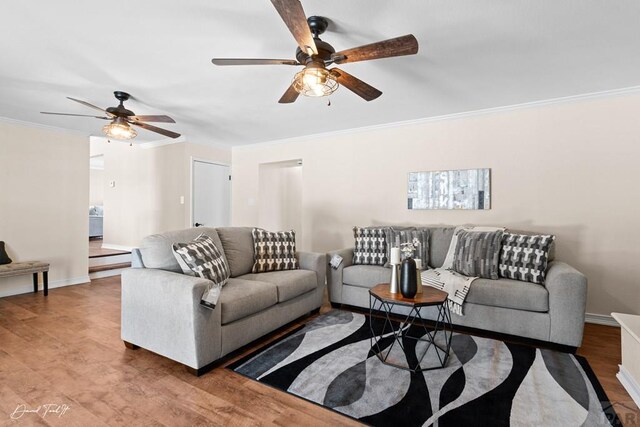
[(211, 195)]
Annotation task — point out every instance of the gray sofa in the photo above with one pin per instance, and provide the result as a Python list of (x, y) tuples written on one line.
[(161, 309), (553, 312)]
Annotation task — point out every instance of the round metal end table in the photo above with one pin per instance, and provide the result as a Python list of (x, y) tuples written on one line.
[(434, 341)]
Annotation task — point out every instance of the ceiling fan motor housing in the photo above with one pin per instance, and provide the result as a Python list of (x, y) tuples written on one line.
[(120, 111), (324, 52)]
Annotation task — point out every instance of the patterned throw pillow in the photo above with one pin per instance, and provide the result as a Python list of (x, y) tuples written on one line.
[(370, 246), (525, 257), (478, 254), (395, 237), (274, 251), (205, 260)]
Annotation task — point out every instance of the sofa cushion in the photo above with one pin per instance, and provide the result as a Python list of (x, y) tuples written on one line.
[(241, 298), (273, 250), (509, 293), (157, 252), (290, 283), (439, 241), (365, 276), (237, 243)]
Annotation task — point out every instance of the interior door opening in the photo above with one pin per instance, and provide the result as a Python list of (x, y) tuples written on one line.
[(211, 194)]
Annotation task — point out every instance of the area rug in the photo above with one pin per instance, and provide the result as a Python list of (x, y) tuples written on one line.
[(485, 382)]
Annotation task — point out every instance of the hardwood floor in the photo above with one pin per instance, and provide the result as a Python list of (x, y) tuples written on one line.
[(66, 349), (96, 250)]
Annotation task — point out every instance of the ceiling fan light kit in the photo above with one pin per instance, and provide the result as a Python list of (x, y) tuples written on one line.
[(119, 129), (315, 80), (316, 55)]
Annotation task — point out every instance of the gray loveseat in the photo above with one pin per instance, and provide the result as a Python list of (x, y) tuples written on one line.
[(553, 312), (161, 309)]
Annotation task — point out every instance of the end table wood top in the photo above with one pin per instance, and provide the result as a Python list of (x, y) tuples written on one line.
[(429, 296)]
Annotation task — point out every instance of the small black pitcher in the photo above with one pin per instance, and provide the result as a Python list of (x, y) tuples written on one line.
[(408, 278)]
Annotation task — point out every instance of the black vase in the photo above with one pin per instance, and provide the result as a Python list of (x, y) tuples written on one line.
[(408, 278)]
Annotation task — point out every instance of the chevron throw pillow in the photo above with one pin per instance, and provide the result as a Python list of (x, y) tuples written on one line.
[(370, 246), (204, 259), (525, 257), (274, 250)]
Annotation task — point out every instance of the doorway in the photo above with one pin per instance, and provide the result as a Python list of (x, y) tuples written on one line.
[(280, 197), (211, 194)]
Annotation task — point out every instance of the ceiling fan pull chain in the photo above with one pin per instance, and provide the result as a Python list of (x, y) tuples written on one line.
[(328, 102)]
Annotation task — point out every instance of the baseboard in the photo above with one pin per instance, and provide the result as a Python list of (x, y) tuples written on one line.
[(600, 319), (26, 289), (117, 247), (629, 383)]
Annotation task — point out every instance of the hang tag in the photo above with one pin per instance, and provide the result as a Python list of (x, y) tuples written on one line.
[(335, 262)]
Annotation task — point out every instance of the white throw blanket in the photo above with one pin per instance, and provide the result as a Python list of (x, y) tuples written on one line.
[(445, 279)]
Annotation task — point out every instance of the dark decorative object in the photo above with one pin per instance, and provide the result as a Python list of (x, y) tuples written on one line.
[(4, 258), (408, 278)]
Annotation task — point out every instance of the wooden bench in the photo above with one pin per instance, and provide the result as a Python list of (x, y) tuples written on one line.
[(28, 267)]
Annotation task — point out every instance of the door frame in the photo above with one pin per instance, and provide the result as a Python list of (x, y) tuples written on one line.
[(191, 170)]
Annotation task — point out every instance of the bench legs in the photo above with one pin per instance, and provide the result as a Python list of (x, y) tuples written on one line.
[(45, 282)]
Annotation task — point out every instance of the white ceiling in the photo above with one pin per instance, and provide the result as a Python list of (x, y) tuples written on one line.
[(474, 54)]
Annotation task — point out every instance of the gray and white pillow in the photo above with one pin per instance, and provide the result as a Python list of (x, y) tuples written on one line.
[(274, 250), (203, 259), (370, 246), (395, 237), (525, 257), (478, 254)]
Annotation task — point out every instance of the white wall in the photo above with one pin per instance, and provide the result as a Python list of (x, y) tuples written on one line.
[(44, 202), (148, 185), (569, 169), (96, 187), (280, 204)]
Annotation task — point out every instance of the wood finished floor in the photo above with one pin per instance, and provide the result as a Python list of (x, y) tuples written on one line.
[(66, 349)]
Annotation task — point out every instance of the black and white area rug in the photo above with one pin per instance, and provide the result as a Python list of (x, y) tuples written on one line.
[(485, 382)]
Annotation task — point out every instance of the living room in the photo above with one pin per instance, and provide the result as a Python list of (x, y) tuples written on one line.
[(543, 95)]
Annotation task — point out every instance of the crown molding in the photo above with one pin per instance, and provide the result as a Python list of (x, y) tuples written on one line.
[(455, 116)]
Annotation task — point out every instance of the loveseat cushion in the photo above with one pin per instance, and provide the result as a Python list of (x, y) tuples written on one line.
[(237, 243), (509, 293), (241, 298), (290, 283), (365, 276), (156, 250)]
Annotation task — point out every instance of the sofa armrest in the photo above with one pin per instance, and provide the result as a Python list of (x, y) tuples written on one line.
[(161, 312), (334, 276), (567, 289), (315, 262)]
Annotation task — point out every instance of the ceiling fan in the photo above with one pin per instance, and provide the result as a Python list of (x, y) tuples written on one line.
[(122, 119), (315, 55)]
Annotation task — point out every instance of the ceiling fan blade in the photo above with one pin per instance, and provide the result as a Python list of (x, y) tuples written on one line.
[(292, 14), (164, 119), (357, 86), (75, 115), (399, 46), (289, 96), (248, 61), (155, 129), (90, 105)]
